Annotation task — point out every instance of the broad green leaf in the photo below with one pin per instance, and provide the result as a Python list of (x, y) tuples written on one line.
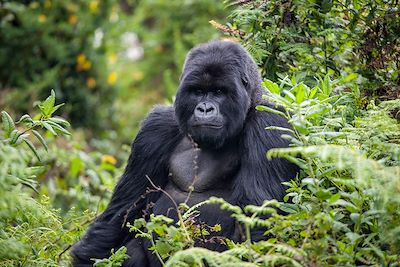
[(8, 123), (300, 95), (350, 77), (271, 86), (313, 92), (47, 106), (334, 198)]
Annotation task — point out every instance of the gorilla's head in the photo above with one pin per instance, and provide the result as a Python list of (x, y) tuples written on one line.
[(219, 85)]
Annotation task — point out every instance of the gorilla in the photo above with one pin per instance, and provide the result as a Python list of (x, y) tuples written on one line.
[(214, 124)]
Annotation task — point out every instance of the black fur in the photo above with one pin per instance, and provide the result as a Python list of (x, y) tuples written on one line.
[(208, 67)]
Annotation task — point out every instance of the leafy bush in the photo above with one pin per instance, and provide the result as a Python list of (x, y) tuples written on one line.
[(56, 44), (31, 229), (344, 208), (38, 174), (310, 38)]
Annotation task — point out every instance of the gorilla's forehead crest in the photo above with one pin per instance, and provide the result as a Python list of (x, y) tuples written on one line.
[(223, 60), (216, 57)]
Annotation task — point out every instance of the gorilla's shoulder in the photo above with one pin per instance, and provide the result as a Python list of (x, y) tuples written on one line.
[(161, 115), (159, 127)]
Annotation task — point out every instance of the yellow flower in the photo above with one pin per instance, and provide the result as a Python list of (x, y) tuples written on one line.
[(87, 65), (138, 75), (73, 19), (83, 62), (42, 18), (112, 78), (90, 82), (108, 159), (93, 5), (81, 58)]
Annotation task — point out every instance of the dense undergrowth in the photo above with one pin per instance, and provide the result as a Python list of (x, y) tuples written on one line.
[(42, 174), (342, 210)]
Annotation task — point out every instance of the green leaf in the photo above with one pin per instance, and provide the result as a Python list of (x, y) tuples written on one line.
[(48, 127), (41, 139), (289, 95), (163, 248), (54, 109), (334, 198), (14, 137), (8, 123), (301, 93), (47, 106), (33, 148), (58, 128), (25, 118), (61, 121), (277, 128), (350, 77), (271, 86), (313, 92), (270, 110), (323, 194)]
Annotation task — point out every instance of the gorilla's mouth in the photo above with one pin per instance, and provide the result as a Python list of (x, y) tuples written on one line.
[(208, 125)]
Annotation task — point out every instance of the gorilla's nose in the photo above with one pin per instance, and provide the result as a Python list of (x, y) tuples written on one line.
[(205, 110)]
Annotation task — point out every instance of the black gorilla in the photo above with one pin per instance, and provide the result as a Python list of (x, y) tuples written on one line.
[(215, 109)]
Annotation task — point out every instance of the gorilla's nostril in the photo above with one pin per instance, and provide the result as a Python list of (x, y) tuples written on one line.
[(205, 110)]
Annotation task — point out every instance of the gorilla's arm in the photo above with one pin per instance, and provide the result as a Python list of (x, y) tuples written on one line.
[(151, 150), (261, 179)]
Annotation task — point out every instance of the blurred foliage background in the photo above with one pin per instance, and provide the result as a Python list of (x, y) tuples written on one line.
[(101, 57), (333, 64)]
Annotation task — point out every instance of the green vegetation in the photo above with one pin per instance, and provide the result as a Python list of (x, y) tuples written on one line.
[(343, 210), (51, 44), (333, 66)]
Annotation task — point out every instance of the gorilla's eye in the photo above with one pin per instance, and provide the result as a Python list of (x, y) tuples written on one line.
[(198, 92), (218, 92)]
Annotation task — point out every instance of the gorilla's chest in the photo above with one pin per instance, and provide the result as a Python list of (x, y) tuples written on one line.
[(203, 169), (209, 172)]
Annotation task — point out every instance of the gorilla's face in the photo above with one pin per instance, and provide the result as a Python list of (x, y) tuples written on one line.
[(212, 101)]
